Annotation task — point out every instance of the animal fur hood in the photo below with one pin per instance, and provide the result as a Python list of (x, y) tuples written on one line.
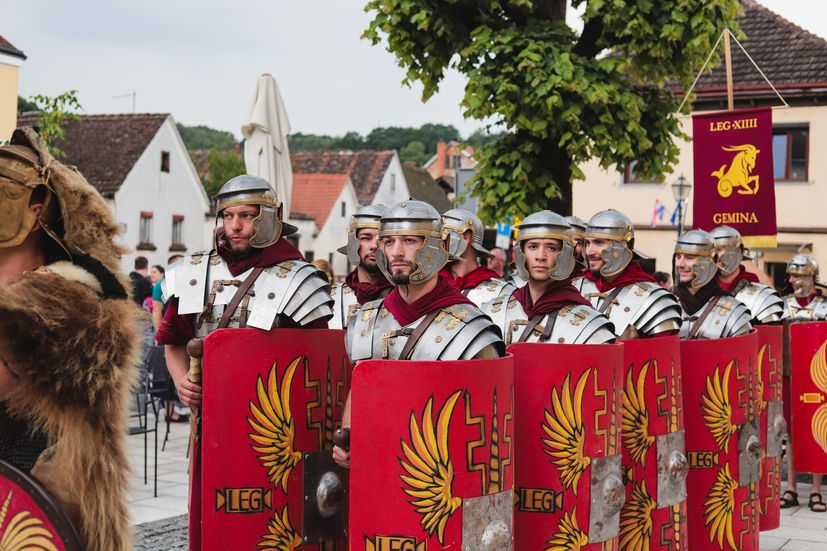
[(69, 334)]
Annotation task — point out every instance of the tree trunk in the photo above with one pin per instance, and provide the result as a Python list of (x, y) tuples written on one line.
[(554, 10), (558, 162)]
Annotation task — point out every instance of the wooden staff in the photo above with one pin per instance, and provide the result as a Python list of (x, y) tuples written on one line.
[(195, 349)]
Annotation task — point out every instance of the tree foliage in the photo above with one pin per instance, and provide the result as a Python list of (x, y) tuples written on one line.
[(204, 137), (563, 98), (52, 111), (25, 106)]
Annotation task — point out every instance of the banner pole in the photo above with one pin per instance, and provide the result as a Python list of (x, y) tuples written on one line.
[(730, 101)]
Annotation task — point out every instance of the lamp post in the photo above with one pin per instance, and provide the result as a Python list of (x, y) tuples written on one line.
[(680, 190)]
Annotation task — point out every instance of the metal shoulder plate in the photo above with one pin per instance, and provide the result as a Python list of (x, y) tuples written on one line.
[(503, 310), (585, 287), (646, 306), (344, 306), (187, 280), (305, 299), (578, 324), (728, 318), (489, 290), (820, 308), (360, 330), (763, 302)]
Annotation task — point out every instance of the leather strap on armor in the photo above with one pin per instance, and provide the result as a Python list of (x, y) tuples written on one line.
[(609, 299), (710, 306), (739, 287), (407, 350), (237, 298)]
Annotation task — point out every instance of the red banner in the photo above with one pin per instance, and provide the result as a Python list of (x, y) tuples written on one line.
[(734, 179), (809, 396)]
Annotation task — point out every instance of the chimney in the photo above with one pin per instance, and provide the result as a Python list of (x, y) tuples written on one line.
[(440, 159)]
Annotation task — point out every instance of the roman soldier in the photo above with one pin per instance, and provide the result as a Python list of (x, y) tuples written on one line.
[(709, 312), (68, 350), (763, 302), (365, 282), (547, 308), (478, 283), (618, 287), (807, 302)]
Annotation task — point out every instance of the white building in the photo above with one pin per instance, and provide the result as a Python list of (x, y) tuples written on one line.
[(139, 163)]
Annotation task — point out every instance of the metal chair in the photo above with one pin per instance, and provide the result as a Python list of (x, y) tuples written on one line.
[(143, 401)]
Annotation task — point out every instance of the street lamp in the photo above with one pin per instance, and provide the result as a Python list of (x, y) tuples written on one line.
[(680, 190)]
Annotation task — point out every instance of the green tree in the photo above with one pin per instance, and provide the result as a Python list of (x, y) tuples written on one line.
[(562, 97), (52, 112), (25, 106), (221, 166), (204, 137), (414, 152)]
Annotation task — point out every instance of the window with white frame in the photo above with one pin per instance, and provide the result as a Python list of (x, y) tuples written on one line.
[(177, 232)]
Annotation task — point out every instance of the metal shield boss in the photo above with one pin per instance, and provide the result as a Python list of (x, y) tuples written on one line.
[(773, 428), (809, 395), (432, 455), (568, 479), (654, 455), (723, 444), (271, 402), (30, 518)]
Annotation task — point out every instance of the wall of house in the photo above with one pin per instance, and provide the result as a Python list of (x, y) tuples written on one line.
[(393, 188), (334, 233), (165, 194), (9, 78), (799, 205)]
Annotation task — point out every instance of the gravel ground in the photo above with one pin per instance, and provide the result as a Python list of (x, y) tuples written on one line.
[(162, 535)]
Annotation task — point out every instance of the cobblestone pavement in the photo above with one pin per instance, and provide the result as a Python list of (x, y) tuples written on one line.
[(161, 535)]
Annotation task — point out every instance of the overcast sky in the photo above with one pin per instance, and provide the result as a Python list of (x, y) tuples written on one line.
[(200, 60)]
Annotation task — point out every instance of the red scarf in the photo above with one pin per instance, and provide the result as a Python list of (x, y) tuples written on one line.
[(469, 280), (742, 274), (369, 290), (444, 294), (805, 301), (558, 295), (632, 274), (279, 251)]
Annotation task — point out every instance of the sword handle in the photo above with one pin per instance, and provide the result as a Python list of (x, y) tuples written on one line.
[(195, 349), (341, 437)]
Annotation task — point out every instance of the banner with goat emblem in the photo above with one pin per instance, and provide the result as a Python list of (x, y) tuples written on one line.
[(431, 455), (654, 454), (568, 478), (723, 446), (30, 518), (809, 396), (773, 425), (271, 404), (734, 177)]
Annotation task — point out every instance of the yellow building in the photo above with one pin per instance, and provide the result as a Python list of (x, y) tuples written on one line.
[(10, 61), (796, 63)]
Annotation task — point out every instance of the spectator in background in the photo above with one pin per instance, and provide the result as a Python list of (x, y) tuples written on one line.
[(141, 286), (664, 280), (325, 266), (156, 274), (159, 306), (496, 261)]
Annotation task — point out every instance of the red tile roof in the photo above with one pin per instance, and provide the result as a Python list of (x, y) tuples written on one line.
[(105, 147), (365, 168), (7, 47), (316, 194)]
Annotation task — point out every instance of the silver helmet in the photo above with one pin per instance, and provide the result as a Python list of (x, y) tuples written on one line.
[(805, 268), (546, 225), (365, 217), (252, 190), (456, 222), (413, 217), (578, 226), (729, 239), (699, 243), (615, 227)]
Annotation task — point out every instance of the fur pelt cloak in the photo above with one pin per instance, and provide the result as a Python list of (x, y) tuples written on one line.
[(69, 333)]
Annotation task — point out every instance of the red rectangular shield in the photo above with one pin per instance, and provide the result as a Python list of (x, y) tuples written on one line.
[(431, 455), (809, 396), (773, 427), (720, 389), (734, 179), (271, 403), (568, 415)]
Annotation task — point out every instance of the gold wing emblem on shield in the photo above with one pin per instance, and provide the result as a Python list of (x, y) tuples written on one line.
[(280, 535), (717, 408), (635, 423), (24, 531), (566, 435), (818, 372), (636, 519), (272, 423), (719, 506), (569, 536), (429, 469)]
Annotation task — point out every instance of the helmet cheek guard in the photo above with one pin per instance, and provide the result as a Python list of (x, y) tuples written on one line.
[(730, 260), (615, 259), (382, 263), (267, 226), (430, 259), (703, 270), (565, 263), (456, 243), (519, 262)]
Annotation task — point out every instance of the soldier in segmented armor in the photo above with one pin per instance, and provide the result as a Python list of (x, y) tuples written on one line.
[(365, 282), (478, 283), (424, 317), (547, 308), (807, 302), (618, 287), (763, 302), (709, 312), (279, 288)]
